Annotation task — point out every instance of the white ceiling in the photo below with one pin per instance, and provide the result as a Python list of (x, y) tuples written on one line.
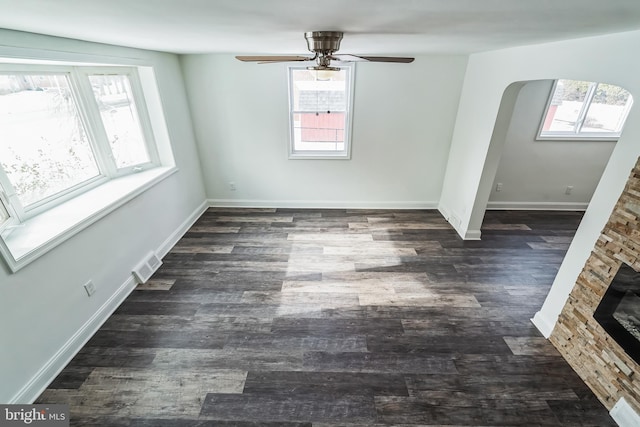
[(277, 26)]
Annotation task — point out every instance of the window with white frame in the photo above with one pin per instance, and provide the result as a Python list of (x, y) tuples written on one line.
[(585, 110), (65, 130), (320, 106)]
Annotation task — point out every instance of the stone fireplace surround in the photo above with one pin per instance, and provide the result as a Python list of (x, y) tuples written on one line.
[(592, 353)]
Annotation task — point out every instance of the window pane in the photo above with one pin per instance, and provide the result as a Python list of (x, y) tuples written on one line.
[(319, 90), (566, 104), (608, 109), (319, 131), (320, 105), (120, 119), (43, 144)]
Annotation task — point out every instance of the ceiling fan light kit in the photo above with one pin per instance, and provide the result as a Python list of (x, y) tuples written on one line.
[(324, 44)]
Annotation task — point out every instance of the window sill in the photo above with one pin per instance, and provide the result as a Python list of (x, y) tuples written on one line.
[(320, 156), (33, 238), (594, 138)]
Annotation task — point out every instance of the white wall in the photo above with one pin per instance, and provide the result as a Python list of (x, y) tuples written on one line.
[(469, 176), (403, 118), (44, 311), (535, 174)]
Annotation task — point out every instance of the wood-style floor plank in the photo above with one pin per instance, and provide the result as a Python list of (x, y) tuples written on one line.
[(336, 317)]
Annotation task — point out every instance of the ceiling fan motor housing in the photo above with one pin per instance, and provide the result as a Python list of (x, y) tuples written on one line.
[(324, 42)]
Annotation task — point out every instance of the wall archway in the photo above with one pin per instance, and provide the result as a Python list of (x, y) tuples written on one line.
[(550, 162)]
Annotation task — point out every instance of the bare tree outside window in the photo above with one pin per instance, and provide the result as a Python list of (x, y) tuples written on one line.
[(43, 144)]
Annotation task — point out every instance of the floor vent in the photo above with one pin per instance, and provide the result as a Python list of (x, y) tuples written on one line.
[(146, 268)]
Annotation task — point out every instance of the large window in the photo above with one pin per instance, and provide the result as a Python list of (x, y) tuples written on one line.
[(320, 107), (585, 110), (76, 142), (64, 130)]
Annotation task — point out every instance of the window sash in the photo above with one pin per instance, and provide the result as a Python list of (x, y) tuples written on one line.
[(4, 214), (142, 115), (89, 113)]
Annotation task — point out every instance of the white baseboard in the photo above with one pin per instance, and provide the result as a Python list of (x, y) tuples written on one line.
[(624, 414), (444, 211), (318, 204), (58, 361), (543, 324), (455, 220), (472, 235), (171, 241), (56, 364), (537, 206)]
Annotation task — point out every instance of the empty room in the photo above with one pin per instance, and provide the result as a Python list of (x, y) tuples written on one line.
[(295, 213)]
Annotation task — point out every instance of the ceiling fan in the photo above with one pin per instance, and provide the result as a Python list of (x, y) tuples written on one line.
[(324, 44)]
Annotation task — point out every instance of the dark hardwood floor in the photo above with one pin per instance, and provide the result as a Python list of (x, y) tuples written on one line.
[(297, 317)]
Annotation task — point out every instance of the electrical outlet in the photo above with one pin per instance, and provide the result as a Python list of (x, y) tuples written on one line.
[(568, 190), (499, 186), (90, 287), (232, 186)]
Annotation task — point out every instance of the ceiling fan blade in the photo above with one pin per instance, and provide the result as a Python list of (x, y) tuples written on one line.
[(362, 58), (268, 59)]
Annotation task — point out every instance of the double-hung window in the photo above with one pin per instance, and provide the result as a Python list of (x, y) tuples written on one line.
[(320, 108), (585, 110), (64, 131)]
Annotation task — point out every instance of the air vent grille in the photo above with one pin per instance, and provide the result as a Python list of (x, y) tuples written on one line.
[(143, 271)]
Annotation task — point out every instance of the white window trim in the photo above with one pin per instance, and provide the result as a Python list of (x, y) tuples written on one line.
[(579, 135), (322, 154), (23, 239), (6, 213), (143, 114)]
